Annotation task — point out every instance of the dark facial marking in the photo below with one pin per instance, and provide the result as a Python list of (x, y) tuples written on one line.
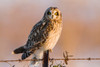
[(48, 13)]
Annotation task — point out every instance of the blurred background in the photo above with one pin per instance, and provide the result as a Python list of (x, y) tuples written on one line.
[(80, 35)]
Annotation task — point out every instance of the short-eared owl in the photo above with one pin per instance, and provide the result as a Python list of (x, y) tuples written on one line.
[(43, 36)]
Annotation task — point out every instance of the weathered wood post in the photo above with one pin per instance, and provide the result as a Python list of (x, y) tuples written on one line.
[(46, 59)]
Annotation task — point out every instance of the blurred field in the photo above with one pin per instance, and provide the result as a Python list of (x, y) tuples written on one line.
[(80, 35)]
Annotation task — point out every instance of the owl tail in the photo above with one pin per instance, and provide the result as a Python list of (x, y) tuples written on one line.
[(26, 54), (19, 50), (37, 55)]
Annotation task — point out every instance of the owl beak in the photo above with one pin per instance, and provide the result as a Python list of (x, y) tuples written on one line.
[(52, 16)]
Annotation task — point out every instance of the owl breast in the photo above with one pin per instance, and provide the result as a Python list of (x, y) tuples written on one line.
[(53, 37)]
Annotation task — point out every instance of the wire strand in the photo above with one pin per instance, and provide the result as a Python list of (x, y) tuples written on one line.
[(50, 59)]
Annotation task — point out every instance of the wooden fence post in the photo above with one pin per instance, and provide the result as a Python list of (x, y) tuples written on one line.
[(46, 59)]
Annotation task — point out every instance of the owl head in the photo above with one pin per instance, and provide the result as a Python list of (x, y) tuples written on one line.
[(53, 13)]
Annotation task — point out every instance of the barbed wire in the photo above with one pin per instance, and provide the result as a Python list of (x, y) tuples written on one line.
[(19, 60), (65, 59), (65, 55), (51, 60)]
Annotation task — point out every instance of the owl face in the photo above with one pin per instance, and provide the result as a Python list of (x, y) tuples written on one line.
[(53, 13)]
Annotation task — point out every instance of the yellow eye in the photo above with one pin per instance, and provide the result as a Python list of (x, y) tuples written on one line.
[(56, 14), (49, 13)]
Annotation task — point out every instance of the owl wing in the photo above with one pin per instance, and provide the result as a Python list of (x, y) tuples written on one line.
[(36, 39), (37, 36)]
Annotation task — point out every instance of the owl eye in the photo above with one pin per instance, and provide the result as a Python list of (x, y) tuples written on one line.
[(49, 13), (56, 13)]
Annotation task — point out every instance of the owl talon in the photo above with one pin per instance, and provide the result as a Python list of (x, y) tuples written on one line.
[(50, 50)]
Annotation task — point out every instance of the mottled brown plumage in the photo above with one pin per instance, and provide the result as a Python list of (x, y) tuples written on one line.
[(44, 34)]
